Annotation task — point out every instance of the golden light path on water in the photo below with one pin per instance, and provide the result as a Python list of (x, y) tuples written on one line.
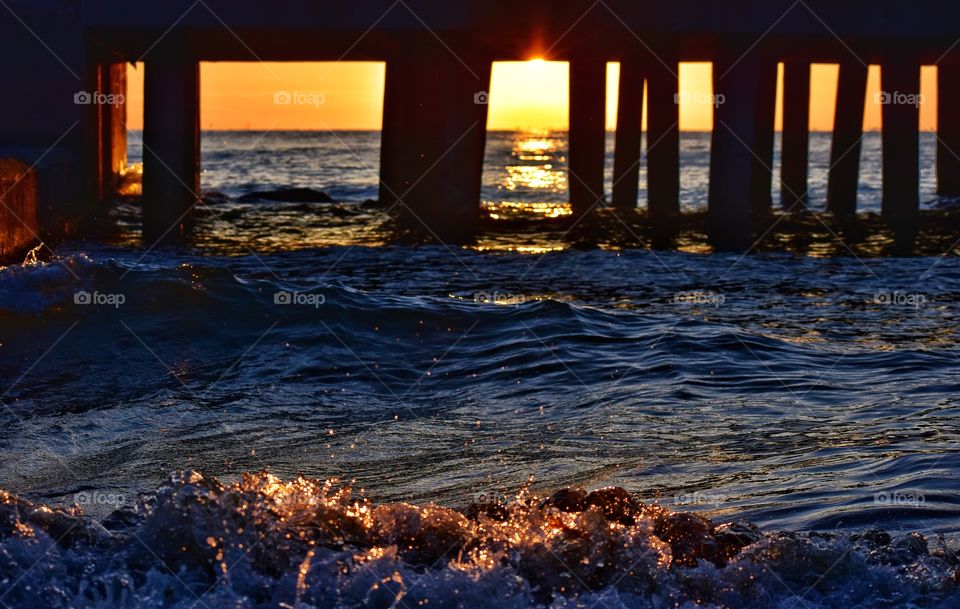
[(536, 166)]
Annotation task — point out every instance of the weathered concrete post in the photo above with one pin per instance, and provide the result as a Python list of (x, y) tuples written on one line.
[(795, 154), (948, 129), (432, 147), (900, 96), (626, 160), (737, 85), (18, 210), (663, 142), (113, 125), (171, 141), (761, 198), (847, 139), (588, 78)]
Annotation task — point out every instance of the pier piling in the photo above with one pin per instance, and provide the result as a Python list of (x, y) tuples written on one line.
[(171, 143), (900, 97), (432, 146), (948, 129), (738, 90), (847, 141), (761, 198), (587, 134), (663, 143), (626, 160), (796, 135)]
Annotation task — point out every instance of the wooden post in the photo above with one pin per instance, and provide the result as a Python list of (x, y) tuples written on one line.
[(795, 155), (171, 137), (626, 160), (847, 139), (588, 78)]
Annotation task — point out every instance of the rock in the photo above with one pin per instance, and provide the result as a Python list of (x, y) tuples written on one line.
[(566, 500), (690, 537), (494, 510), (735, 536), (289, 195), (616, 504)]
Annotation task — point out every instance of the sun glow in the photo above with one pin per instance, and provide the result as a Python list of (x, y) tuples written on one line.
[(527, 95)]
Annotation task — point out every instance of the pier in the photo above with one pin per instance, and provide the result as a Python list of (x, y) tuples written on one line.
[(439, 56)]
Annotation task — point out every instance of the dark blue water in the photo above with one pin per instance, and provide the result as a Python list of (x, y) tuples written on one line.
[(813, 397)]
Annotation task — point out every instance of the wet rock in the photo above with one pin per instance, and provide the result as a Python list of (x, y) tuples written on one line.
[(494, 510), (691, 539), (872, 538), (422, 535), (566, 500), (616, 504), (734, 536), (289, 195)]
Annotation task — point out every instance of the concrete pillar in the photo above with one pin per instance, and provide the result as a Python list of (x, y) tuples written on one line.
[(171, 138), (663, 141), (900, 84), (761, 199), (18, 210), (113, 125), (795, 155), (626, 160), (737, 85), (432, 147), (948, 128), (588, 78), (847, 139)]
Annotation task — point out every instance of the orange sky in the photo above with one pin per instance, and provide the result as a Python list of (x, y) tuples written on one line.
[(527, 95)]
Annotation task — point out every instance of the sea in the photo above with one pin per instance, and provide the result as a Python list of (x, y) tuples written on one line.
[(296, 409)]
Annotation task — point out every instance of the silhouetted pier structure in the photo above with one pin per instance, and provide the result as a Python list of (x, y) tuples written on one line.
[(438, 57)]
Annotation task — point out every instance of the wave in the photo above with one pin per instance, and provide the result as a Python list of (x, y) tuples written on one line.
[(263, 542)]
